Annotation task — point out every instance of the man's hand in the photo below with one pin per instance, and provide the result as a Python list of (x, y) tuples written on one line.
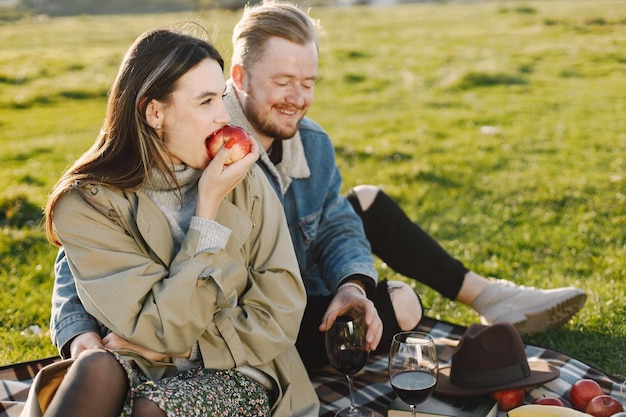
[(84, 341), (350, 298)]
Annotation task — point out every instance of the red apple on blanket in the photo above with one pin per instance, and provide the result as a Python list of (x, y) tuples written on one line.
[(232, 137), (582, 391), (603, 406), (549, 401), (509, 399)]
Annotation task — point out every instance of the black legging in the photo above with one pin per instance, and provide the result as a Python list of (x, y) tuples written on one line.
[(406, 248)]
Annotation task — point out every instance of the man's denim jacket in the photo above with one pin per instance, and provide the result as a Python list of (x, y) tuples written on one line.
[(327, 234)]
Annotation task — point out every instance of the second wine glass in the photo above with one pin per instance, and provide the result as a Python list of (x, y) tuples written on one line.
[(413, 367), (345, 348)]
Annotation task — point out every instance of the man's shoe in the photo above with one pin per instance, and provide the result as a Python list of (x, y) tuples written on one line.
[(530, 310)]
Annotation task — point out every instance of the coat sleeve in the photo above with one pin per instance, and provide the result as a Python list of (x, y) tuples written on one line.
[(263, 320)]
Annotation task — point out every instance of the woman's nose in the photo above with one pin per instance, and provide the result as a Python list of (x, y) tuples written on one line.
[(223, 116)]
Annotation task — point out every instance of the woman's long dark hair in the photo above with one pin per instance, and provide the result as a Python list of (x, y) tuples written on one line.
[(128, 147)]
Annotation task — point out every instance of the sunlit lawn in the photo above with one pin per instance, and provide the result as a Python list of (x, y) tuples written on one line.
[(498, 126)]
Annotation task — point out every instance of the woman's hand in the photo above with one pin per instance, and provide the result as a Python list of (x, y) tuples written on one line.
[(219, 179)]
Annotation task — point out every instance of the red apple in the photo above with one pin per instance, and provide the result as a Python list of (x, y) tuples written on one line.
[(582, 391), (509, 399), (549, 401), (603, 406), (232, 137)]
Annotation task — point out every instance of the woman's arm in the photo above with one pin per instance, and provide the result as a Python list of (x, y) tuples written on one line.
[(124, 281), (266, 319)]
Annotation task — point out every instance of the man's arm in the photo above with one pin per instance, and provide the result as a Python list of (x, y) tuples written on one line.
[(340, 246), (69, 321)]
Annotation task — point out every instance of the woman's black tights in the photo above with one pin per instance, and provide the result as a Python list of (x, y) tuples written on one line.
[(96, 385)]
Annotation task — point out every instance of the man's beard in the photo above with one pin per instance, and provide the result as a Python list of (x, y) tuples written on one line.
[(265, 126)]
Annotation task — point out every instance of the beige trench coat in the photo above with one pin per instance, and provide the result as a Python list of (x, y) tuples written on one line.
[(243, 304)]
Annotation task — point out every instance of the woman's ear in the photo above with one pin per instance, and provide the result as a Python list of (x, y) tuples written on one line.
[(154, 114), (237, 75)]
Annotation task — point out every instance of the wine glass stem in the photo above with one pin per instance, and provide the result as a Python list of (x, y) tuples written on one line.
[(350, 385), (412, 410)]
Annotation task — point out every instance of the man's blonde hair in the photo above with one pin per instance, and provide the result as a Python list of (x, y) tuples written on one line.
[(270, 19)]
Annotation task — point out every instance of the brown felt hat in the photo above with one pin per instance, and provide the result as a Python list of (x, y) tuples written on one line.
[(490, 359)]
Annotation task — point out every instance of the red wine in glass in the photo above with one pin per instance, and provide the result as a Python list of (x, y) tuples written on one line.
[(345, 348), (413, 367), (413, 387), (348, 360)]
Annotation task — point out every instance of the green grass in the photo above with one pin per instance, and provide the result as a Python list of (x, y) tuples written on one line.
[(404, 91)]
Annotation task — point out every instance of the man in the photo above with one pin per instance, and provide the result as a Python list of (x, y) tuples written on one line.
[(274, 90), (273, 74)]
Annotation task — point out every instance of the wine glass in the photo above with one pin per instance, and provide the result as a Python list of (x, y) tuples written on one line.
[(413, 367), (345, 348)]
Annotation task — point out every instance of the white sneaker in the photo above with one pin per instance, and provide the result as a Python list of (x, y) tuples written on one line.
[(530, 310)]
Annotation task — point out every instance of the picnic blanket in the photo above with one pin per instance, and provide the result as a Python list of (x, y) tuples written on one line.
[(371, 384), (372, 388)]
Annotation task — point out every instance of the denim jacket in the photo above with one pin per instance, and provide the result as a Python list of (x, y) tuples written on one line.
[(327, 234)]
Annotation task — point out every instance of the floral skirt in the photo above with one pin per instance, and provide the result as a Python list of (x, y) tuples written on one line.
[(199, 392)]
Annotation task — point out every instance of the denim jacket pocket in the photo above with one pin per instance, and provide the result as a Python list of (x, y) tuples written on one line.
[(309, 226)]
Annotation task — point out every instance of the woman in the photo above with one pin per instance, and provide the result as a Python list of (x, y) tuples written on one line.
[(188, 265)]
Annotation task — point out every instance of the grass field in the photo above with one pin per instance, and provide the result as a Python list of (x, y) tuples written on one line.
[(498, 126)]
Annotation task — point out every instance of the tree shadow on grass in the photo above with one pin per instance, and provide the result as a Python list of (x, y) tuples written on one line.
[(19, 212), (602, 351)]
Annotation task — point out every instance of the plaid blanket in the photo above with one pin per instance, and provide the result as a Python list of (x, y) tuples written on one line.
[(372, 388), (371, 384)]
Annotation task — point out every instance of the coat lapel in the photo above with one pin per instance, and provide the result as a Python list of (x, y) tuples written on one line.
[(153, 228)]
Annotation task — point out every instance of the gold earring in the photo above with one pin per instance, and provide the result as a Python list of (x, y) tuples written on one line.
[(159, 126)]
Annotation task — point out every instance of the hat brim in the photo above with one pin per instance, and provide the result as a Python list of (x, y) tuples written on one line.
[(540, 372)]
